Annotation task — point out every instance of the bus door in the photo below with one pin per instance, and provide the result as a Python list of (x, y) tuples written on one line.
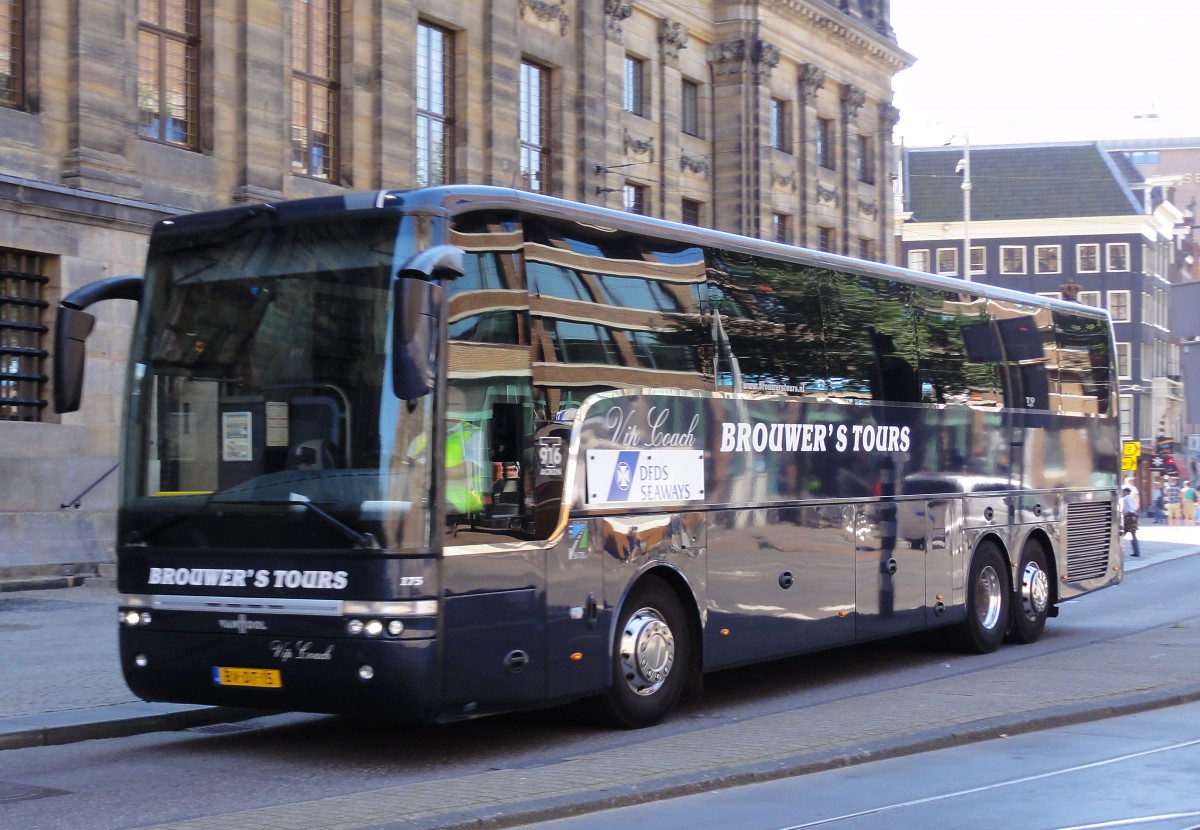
[(889, 575)]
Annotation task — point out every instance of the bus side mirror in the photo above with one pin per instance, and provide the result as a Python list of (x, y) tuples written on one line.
[(70, 348), (415, 326), (71, 333)]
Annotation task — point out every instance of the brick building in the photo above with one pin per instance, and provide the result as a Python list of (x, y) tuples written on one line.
[(771, 118)]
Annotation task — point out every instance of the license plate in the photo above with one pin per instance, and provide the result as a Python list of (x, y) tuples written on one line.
[(257, 678)]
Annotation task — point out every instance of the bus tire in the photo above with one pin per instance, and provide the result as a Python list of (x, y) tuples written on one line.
[(651, 650), (987, 602), (1031, 605)]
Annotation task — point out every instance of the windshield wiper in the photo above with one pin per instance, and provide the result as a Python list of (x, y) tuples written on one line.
[(362, 541)]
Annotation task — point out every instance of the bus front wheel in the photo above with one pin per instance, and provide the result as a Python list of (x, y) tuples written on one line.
[(651, 649), (987, 602), (1033, 595)]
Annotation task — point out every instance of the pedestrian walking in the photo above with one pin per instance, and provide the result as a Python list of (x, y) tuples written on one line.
[(1129, 518), (1137, 497), (1187, 503), (1157, 508), (1173, 497)]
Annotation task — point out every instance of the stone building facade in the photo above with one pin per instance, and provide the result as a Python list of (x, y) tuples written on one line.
[(771, 118)]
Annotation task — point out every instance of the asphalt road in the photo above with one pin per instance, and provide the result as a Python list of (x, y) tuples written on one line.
[(307, 771), (1137, 771)]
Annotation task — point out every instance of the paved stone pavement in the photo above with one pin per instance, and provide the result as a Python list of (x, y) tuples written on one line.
[(79, 695)]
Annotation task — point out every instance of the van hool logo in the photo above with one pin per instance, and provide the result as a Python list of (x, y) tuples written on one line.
[(242, 624)]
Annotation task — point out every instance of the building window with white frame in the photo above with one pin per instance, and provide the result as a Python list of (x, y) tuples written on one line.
[(1118, 306), (635, 86), (435, 105), (947, 260), (1047, 259), (1050, 295), (978, 260), (1125, 406), (533, 125), (1091, 298), (1012, 259), (1087, 258), (1117, 254), (918, 260), (1124, 364)]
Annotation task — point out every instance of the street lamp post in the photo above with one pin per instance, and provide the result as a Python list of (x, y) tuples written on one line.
[(966, 191)]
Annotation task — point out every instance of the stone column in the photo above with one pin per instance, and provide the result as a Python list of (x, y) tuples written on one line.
[(102, 71), (809, 81), (889, 116), (853, 99), (672, 38), (264, 105)]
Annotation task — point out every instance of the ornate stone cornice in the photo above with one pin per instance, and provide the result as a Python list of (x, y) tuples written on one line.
[(744, 56), (856, 37), (693, 164), (810, 78), (673, 38), (853, 99), (548, 12), (616, 11), (639, 146)]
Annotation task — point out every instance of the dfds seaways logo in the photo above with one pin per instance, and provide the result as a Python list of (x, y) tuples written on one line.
[(644, 476)]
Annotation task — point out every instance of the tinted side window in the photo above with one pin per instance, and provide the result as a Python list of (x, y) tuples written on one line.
[(1084, 364), (626, 305), (958, 349), (770, 312)]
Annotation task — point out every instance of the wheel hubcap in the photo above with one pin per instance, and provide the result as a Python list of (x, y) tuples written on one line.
[(647, 651), (1035, 590), (988, 599)]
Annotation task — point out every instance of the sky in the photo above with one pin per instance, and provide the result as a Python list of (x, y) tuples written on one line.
[(1027, 71)]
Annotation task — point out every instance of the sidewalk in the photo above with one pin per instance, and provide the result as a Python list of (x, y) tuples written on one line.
[(79, 695)]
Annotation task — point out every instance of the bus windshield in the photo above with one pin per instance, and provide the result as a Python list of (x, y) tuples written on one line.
[(261, 381)]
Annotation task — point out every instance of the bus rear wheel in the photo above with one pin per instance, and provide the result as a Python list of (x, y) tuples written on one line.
[(987, 603), (651, 650), (1033, 595)]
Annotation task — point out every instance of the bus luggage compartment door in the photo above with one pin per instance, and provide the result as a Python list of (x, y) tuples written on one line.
[(493, 653), (889, 575)]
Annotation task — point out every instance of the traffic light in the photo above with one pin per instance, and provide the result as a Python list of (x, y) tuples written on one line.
[(1169, 465)]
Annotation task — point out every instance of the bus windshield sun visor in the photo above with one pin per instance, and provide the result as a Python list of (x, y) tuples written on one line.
[(71, 332)]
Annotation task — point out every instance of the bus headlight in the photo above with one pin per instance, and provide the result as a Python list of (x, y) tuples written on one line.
[(373, 628), (395, 628)]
